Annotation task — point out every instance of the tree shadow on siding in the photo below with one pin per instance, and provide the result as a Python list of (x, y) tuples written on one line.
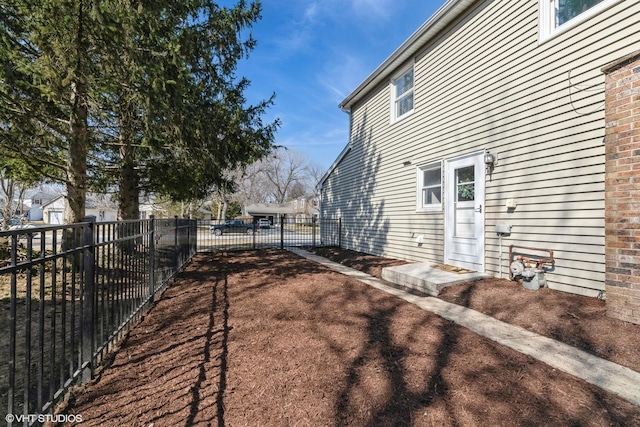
[(355, 179)]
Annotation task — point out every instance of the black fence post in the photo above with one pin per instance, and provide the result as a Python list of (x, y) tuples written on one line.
[(313, 231), (152, 257), (89, 311), (12, 333), (283, 219), (175, 243)]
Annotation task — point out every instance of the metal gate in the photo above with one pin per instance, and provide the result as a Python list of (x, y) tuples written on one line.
[(236, 235)]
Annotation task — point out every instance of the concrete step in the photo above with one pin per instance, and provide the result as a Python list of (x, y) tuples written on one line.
[(425, 279)]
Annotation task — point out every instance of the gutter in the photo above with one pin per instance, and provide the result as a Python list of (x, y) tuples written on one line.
[(446, 14)]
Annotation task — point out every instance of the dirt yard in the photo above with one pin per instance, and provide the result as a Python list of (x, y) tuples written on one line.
[(269, 339), (575, 320)]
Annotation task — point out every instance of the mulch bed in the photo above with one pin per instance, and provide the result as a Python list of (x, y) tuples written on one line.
[(573, 319), (265, 338)]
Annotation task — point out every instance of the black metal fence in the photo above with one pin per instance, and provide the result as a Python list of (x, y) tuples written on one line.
[(281, 233), (68, 294)]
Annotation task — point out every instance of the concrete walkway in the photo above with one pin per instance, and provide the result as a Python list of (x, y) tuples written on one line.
[(609, 376)]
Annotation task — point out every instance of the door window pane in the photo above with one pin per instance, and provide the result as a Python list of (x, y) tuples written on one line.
[(465, 184)]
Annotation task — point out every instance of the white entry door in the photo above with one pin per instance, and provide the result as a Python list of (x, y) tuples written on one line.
[(464, 212)]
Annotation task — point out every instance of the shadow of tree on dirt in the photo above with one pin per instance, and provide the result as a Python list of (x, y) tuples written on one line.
[(393, 397), (284, 341), (575, 320), (222, 309), (398, 408), (385, 384)]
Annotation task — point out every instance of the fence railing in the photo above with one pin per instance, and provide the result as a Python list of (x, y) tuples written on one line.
[(281, 233), (70, 292)]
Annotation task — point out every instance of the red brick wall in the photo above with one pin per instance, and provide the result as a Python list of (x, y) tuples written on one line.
[(622, 188)]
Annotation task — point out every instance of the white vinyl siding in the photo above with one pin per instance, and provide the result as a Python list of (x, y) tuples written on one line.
[(487, 84)]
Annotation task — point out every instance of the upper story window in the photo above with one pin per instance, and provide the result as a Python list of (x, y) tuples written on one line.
[(429, 188), (402, 95), (557, 16)]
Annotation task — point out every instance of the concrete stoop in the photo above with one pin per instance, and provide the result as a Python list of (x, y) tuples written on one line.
[(425, 279)]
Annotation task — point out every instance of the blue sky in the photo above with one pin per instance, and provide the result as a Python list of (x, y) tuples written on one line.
[(314, 53)]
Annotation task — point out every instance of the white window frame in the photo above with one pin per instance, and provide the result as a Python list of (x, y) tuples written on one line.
[(547, 18), (420, 207), (394, 98)]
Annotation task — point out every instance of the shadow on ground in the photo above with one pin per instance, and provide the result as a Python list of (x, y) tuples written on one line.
[(267, 338)]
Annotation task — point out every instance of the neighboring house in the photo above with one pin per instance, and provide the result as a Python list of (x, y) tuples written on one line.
[(37, 201), (305, 209), (301, 210), (271, 211), (492, 112), (17, 209), (98, 205), (53, 211), (102, 207), (150, 206)]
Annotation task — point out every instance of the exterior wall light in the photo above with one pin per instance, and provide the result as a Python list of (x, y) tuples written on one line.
[(489, 159)]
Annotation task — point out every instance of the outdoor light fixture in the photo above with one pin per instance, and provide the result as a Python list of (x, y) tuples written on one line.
[(407, 162), (489, 159)]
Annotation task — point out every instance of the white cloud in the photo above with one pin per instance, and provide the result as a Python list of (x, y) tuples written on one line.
[(311, 12), (379, 8), (343, 74)]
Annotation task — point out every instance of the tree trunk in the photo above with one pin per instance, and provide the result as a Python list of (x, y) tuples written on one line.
[(225, 206), (79, 135), (8, 210), (128, 188), (77, 161)]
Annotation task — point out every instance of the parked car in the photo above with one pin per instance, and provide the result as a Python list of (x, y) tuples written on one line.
[(27, 228), (264, 223), (232, 226), (12, 221)]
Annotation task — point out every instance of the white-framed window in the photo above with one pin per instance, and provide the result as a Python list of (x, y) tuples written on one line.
[(429, 187), (558, 16), (402, 95)]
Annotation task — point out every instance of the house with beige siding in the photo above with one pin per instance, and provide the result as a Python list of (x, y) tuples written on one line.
[(490, 116)]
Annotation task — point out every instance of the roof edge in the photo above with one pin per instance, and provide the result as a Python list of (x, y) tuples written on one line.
[(335, 164), (443, 16)]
